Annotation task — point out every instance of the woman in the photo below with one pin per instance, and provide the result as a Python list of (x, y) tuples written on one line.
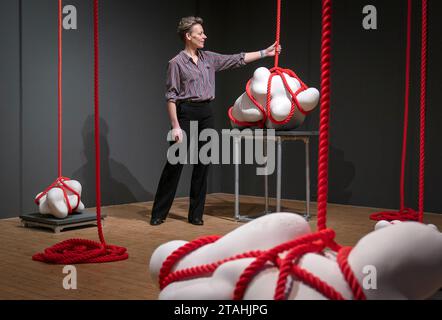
[(190, 89)]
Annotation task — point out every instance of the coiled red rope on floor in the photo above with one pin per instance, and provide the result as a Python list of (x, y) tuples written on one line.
[(296, 248), (76, 251), (275, 71), (404, 213)]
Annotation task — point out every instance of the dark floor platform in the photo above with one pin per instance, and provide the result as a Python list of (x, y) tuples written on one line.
[(77, 219)]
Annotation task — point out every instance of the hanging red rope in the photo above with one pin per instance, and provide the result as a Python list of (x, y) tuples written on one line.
[(59, 182), (60, 88), (275, 71), (278, 31), (294, 249), (75, 251), (406, 109), (324, 116), (404, 213), (423, 97)]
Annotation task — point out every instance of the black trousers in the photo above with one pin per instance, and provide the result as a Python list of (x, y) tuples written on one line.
[(186, 112)]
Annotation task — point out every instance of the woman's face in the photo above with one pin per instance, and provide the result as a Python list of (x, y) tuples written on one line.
[(196, 36)]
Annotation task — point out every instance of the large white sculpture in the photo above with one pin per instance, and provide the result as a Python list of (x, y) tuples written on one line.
[(54, 201), (244, 110), (406, 259)]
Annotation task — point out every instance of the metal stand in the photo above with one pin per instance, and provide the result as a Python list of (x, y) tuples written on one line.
[(283, 136), (280, 136)]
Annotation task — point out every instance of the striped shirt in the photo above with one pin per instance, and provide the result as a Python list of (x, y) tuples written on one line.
[(187, 81)]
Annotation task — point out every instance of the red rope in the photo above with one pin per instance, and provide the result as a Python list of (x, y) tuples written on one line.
[(422, 108), (407, 214), (278, 31), (166, 276), (406, 108), (175, 256), (75, 251), (324, 114), (97, 124), (60, 96), (349, 276), (404, 213)]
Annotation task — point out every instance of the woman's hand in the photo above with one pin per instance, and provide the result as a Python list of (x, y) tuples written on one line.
[(256, 55), (177, 134), (271, 51)]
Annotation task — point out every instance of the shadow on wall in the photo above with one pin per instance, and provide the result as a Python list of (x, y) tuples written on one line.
[(118, 185), (341, 175)]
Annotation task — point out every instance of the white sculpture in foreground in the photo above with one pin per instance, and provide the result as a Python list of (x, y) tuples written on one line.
[(244, 110), (54, 201), (406, 258)]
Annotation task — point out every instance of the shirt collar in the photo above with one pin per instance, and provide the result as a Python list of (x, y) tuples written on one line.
[(188, 58)]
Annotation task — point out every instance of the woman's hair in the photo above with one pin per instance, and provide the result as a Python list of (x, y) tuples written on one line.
[(186, 25)]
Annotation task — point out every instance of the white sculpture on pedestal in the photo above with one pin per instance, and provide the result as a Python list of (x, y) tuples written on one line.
[(54, 202), (244, 110)]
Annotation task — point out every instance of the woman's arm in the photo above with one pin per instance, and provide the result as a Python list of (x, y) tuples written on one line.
[(269, 52), (177, 135), (172, 90), (229, 61)]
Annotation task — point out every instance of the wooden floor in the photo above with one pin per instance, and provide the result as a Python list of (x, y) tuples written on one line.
[(128, 226)]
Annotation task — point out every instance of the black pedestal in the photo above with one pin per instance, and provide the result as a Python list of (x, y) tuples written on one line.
[(77, 219)]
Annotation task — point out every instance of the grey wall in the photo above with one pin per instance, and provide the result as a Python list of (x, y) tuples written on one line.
[(133, 119), (137, 38), (9, 108)]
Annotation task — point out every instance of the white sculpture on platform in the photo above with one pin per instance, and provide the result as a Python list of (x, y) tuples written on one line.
[(406, 257), (244, 110), (54, 202)]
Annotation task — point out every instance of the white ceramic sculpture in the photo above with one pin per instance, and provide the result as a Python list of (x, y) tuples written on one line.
[(54, 202), (244, 110), (406, 258)]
